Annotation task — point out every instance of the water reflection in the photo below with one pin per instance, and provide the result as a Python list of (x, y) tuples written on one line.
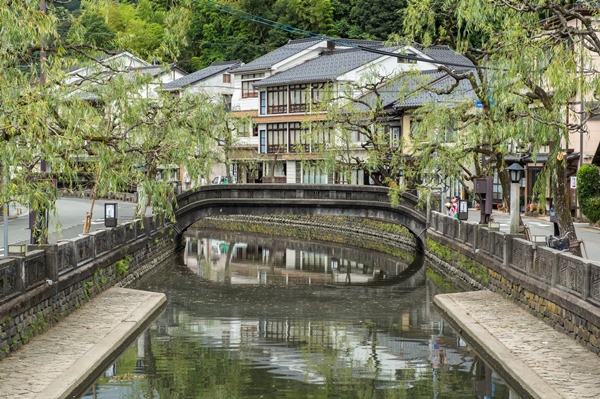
[(238, 328), (235, 258)]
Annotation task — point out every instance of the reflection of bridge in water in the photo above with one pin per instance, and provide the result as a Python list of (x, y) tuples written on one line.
[(239, 258)]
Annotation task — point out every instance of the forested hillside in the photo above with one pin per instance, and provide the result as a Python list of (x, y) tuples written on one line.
[(193, 33)]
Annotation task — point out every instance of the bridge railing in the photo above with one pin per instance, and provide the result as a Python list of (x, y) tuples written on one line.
[(561, 270), (337, 192)]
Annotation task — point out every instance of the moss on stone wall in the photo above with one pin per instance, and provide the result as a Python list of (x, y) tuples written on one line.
[(388, 238)]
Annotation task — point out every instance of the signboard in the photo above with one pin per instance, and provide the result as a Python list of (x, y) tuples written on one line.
[(463, 210), (110, 214), (573, 183)]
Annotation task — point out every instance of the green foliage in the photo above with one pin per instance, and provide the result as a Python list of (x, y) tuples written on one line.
[(588, 191), (588, 181), (439, 281), (591, 208), (97, 32), (122, 266)]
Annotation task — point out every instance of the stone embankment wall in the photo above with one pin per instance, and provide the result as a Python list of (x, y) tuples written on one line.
[(389, 238), (48, 282), (557, 287)]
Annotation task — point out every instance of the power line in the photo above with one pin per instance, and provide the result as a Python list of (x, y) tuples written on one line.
[(291, 29)]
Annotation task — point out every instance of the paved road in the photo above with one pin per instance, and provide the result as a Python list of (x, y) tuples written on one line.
[(542, 226), (68, 223)]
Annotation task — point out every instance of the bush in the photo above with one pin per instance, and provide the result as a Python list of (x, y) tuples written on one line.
[(588, 187), (592, 209)]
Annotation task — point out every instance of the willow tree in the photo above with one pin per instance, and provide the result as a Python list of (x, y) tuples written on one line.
[(531, 56), (55, 126)]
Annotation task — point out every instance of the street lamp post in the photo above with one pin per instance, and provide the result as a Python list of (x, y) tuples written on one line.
[(516, 173)]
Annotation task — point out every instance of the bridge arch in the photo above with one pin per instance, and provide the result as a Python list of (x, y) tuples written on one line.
[(370, 202)]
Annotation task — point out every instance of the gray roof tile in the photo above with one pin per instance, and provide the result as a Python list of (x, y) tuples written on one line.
[(407, 91), (213, 69), (415, 96), (268, 60), (326, 67), (446, 54)]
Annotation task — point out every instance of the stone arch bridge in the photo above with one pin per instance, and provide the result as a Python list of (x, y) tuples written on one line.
[(298, 199)]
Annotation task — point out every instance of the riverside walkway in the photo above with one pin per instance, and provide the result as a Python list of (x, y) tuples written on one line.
[(59, 361), (532, 357)]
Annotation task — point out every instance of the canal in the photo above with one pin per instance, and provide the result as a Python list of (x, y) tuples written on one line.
[(252, 316)]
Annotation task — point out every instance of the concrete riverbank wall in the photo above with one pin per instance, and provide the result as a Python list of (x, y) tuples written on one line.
[(557, 287), (47, 282)]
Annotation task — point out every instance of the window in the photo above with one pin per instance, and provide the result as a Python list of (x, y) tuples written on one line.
[(297, 142), (322, 133), (263, 103), (276, 137), (450, 134), (396, 136), (248, 81), (243, 130), (263, 142), (227, 101), (277, 100), (496, 187), (298, 98), (357, 136), (226, 78), (407, 61), (414, 128), (318, 90)]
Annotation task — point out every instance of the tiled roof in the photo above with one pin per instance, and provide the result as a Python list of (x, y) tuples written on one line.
[(446, 54), (213, 69), (331, 64), (268, 60), (413, 95), (407, 91), (326, 67)]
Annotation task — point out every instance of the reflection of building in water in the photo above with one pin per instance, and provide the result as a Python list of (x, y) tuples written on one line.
[(237, 259), (399, 347)]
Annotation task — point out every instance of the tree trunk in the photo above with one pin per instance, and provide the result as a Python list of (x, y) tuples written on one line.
[(561, 200), (87, 223)]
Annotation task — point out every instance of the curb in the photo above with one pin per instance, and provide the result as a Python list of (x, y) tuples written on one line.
[(516, 374), (84, 371)]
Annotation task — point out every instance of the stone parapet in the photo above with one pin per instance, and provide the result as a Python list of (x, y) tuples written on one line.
[(48, 282), (558, 287)]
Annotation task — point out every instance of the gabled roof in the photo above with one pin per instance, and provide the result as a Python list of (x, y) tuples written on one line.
[(326, 67), (290, 49), (214, 69), (414, 95), (409, 91), (445, 54)]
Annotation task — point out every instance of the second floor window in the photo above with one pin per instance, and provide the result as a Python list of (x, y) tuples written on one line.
[(276, 137), (317, 91), (226, 78), (277, 100), (248, 81), (298, 98)]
